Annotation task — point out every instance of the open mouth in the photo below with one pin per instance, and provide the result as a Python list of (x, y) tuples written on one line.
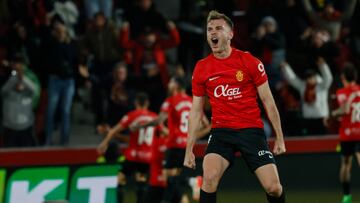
[(214, 40)]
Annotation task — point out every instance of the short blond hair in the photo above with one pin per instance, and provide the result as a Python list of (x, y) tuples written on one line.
[(214, 15)]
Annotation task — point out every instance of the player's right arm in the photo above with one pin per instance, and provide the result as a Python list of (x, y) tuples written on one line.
[(112, 132), (196, 113), (157, 121)]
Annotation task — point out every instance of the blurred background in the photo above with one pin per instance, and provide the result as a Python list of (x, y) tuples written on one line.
[(84, 61)]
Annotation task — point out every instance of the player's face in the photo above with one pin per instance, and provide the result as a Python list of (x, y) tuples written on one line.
[(172, 86), (219, 35)]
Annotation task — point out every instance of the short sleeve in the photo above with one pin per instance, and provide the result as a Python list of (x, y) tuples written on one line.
[(256, 69), (125, 121), (340, 97), (198, 83), (165, 106)]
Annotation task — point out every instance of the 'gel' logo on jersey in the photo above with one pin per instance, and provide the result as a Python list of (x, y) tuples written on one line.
[(225, 91), (263, 152)]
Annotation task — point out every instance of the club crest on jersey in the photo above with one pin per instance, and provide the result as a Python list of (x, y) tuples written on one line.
[(239, 76)]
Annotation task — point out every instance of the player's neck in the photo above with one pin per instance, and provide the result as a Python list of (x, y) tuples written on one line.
[(349, 84), (224, 53), (175, 92), (141, 108)]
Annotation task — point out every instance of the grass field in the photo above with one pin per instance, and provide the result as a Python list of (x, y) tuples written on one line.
[(233, 196)]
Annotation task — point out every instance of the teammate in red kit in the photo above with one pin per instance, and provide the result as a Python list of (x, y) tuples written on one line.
[(348, 98), (175, 110), (157, 181), (139, 152), (232, 79)]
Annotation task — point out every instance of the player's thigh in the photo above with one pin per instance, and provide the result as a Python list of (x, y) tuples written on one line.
[(214, 166), (172, 172), (346, 160), (357, 152), (268, 175)]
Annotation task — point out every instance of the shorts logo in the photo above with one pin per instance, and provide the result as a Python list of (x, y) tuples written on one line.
[(209, 139), (264, 152), (239, 76)]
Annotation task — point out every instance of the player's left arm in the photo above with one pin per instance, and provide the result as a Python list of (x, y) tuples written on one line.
[(274, 117)]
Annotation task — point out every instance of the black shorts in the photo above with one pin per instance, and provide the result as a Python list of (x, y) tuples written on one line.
[(155, 194), (131, 167), (174, 158), (251, 142), (350, 148)]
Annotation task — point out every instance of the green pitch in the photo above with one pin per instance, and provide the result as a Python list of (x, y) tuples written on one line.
[(234, 196)]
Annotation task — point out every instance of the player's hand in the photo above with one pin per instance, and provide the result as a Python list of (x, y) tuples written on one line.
[(320, 61), (134, 127), (171, 25), (125, 25), (189, 160), (102, 147), (279, 147)]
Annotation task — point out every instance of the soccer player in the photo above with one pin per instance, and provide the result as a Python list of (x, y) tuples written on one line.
[(232, 79), (139, 152), (157, 180), (175, 110), (348, 98)]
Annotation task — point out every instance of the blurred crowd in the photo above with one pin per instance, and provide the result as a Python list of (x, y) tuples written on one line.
[(50, 50)]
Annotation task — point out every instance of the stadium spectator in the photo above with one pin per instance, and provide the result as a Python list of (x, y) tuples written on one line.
[(291, 17), (62, 62), (314, 92), (143, 16), (68, 12), (270, 47), (92, 7), (18, 96), (21, 41), (316, 43), (101, 48), (147, 55), (329, 18), (119, 98)]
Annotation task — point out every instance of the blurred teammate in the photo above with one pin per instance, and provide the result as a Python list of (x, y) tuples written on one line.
[(175, 110), (348, 98), (157, 180), (139, 152), (232, 79)]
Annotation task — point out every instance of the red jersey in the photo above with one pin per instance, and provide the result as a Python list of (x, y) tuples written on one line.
[(140, 143), (349, 129), (231, 85), (178, 109), (157, 177)]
